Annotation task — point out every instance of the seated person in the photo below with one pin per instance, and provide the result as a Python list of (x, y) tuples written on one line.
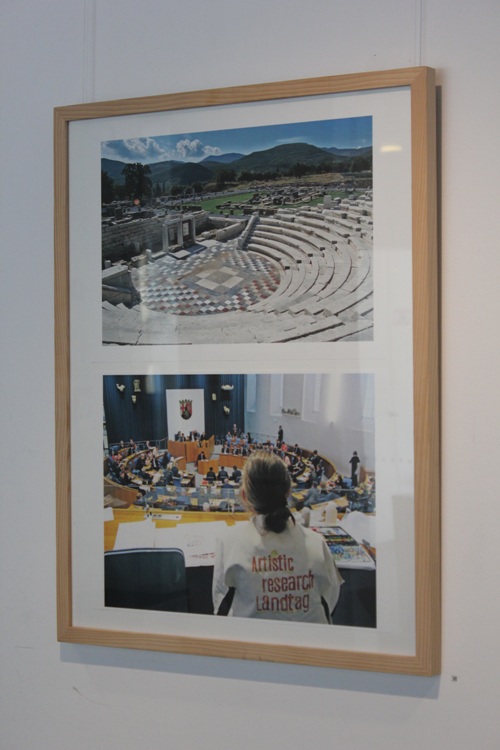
[(168, 475), (129, 482), (175, 471), (210, 476), (138, 464), (114, 465), (298, 469), (270, 547), (226, 489), (154, 463), (201, 456), (222, 475), (139, 469), (315, 459), (122, 478), (236, 475), (338, 482), (312, 495)]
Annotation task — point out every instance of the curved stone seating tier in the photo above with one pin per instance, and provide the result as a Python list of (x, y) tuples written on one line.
[(299, 249), (286, 279), (303, 281), (292, 280), (306, 289), (325, 289), (281, 243), (244, 327), (284, 260)]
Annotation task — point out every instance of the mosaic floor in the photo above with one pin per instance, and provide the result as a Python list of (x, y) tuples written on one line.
[(215, 280)]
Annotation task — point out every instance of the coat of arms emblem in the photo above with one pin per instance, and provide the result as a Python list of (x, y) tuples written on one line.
[(186, 407)]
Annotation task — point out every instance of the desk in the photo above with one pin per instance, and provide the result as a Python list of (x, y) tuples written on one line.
[(204, 466), (227, 459), (190, 449), (176, 448), (340, 501), (187, 478)]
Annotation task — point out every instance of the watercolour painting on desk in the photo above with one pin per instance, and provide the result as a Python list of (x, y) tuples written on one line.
[(261, 258)]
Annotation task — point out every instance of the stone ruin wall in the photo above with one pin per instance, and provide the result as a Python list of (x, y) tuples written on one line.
[(229, 232), (123, 241)]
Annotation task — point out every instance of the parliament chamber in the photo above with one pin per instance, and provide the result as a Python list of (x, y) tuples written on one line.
[(163, 511)]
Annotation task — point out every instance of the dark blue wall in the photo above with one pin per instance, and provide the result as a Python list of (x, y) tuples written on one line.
[(147, 418)]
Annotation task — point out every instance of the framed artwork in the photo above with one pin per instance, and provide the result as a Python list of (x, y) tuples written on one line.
[(236, 269)]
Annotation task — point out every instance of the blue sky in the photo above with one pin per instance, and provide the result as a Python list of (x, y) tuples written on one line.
[(352, 132)]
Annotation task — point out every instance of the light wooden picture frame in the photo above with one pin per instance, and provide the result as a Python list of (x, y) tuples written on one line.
[(405, 310)]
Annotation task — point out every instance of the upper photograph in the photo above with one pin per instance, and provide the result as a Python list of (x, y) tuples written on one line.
[(249, 235)]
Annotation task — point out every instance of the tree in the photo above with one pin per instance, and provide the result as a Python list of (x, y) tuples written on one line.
[(137, 183), (107, 188), (299, 169), (223, 176)]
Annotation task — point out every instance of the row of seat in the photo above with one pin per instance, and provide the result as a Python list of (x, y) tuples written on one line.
[(325, 291)]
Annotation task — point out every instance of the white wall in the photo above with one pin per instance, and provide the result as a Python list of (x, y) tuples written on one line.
[(57, 52), (338, 427)]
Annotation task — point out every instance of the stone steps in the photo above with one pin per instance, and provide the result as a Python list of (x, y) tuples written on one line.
[(336, 331), (325, 291), (290, 240), (130, 328)]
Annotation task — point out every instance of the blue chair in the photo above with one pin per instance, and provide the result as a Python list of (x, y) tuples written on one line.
[(146, 579)]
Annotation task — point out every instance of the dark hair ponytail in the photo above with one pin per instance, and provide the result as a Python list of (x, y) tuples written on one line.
[(267, 485), (277, 519)]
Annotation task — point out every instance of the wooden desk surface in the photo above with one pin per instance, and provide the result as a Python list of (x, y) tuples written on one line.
[(169, 518), (204, 466), (227, 459)]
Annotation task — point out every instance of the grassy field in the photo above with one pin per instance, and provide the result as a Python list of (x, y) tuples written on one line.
[(211, 204), (248, 191)]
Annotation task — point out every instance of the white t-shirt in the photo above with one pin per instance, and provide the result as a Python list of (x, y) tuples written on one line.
[(276, 576)]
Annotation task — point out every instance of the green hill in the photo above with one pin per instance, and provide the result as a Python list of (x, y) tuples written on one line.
[(169, 172), (283, 157)]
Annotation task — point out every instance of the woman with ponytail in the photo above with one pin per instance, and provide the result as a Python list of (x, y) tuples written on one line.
[(269, 567)]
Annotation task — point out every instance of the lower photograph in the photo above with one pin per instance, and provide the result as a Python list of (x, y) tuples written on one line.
[(248, 495)]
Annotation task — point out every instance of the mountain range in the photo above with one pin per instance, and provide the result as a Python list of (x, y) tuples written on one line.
[(279, 158)]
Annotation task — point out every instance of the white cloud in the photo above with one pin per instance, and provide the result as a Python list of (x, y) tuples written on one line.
[(135, 149), (212, 150), (148, 150), (194, 149), (189, 149), (145, 148)]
